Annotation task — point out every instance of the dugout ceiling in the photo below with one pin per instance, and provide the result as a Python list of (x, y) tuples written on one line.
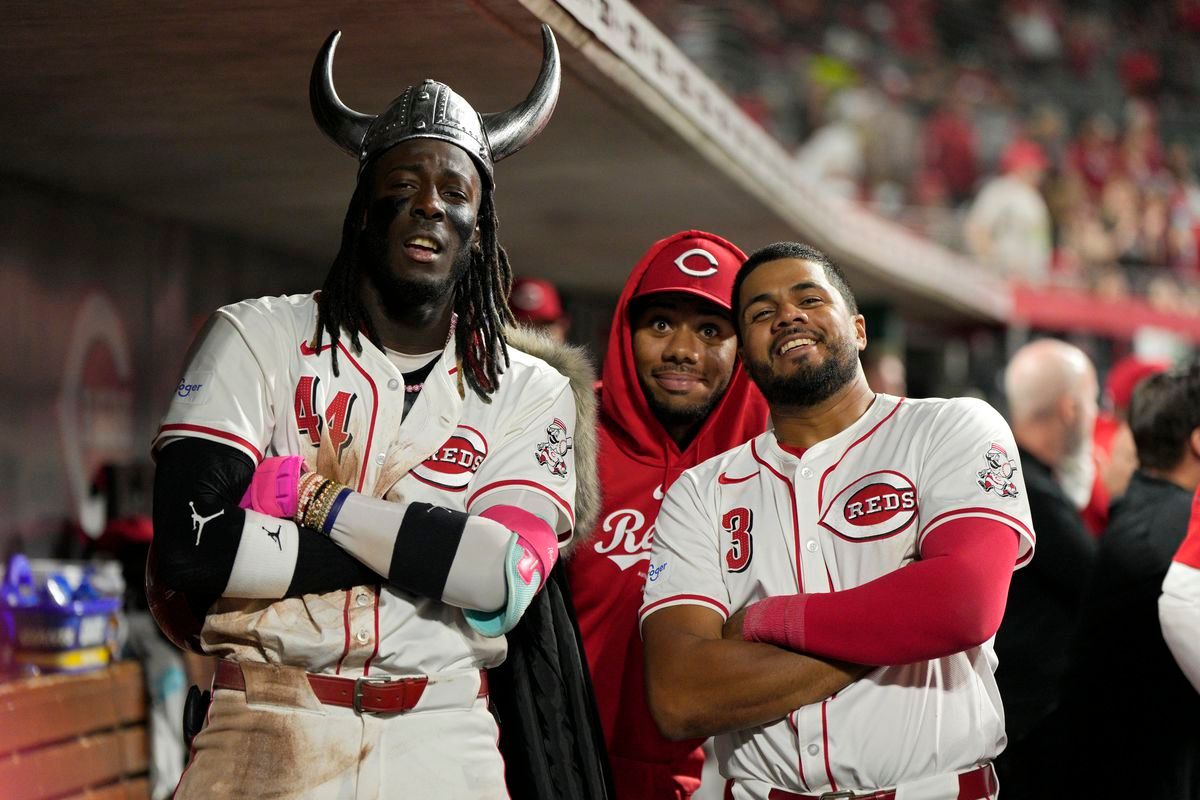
[(197, 111)]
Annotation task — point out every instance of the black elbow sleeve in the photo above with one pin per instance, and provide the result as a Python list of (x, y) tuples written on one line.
[(197, 522)]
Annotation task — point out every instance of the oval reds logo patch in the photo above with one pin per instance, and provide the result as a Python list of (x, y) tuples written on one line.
[(453, 464), (875, 506)]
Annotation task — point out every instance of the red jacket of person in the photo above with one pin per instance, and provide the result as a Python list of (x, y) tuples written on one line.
[(638, 461)]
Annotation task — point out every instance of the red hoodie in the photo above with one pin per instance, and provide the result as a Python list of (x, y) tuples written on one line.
[(638, 461)]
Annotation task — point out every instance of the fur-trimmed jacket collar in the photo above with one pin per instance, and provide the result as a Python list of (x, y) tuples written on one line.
[(576, 365)]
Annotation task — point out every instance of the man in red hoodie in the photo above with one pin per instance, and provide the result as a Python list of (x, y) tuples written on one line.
[(673, 395)]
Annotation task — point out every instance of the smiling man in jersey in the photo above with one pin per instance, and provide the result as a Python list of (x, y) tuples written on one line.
[(673, 395), (827, 592), (349, 497)]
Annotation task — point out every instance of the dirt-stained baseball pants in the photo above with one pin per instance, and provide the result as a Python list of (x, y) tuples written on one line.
[(276, 740)]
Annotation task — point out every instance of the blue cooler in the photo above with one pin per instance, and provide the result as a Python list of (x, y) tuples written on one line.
[(50, 624)]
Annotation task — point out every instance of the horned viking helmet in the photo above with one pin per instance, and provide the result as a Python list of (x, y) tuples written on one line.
[(432, 110)]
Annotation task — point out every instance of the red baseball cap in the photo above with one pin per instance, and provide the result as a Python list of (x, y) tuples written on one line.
[(1125, 376), (693, 262), (535, 301), (1023, 154)]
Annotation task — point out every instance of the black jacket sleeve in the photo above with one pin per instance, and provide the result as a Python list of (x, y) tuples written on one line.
[(542, 695)]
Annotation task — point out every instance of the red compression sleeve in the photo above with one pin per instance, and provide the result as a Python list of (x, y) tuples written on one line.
[(950, 600)]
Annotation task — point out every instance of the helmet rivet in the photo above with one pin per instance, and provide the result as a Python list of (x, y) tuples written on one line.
[(419, 124), (423, 96)]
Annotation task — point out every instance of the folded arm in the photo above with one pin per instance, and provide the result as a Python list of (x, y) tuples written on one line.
[(951, 600), (490, 564), (699, 684), (207, 547)]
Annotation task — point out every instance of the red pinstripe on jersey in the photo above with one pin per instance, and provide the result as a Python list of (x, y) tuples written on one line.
[(825, 739), (978, 511), (791, 720), (346, 625), (250, 449), (375, 652), (566, 507), (854, 444), (795, 514), (362, 472), (688, 599)]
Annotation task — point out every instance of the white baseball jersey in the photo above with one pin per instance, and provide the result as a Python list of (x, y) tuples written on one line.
[(1179, 609), (757, 521), (255, 382)]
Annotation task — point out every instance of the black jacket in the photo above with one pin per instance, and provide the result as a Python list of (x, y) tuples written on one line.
[(1044, 601), (550, 733), (1124, 692)]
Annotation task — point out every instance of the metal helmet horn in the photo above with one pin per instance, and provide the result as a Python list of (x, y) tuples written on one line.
[(432, 110)]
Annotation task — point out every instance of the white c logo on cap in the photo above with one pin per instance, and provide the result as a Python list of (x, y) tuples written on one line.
[(696, 273)]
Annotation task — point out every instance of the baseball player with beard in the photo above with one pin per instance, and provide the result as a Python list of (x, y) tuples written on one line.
[(673, 395), (855, 530), (349, 494)]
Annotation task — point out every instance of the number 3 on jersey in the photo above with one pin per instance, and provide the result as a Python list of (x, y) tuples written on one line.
[(737, 522), (337, 414)]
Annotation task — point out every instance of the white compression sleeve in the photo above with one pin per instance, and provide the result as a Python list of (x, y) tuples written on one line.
[(419, 548), (266, 558)]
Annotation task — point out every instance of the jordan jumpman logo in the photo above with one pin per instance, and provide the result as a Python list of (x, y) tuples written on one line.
[(198, 521)]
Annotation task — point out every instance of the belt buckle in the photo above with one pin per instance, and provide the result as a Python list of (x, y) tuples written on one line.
[(837, 796), (356, 703)]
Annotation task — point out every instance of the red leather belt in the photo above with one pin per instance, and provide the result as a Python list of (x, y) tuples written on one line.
[(977, 784), (377, 695)]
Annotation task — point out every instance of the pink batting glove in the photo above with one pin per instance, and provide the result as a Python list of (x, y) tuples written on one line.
[(275, 486), (534, 536)]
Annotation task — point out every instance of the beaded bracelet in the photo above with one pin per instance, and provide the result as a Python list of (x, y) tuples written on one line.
[(313, 504), (323, 509), (304, 494)]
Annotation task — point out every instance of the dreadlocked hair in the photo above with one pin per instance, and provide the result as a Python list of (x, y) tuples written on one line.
[(480, 300)]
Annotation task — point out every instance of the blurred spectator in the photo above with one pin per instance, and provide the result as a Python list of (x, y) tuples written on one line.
[(1112, 440), (884, 370), (949, 144), (1047, 129), (1051, 389), (834, 156), (1034, 29), (535, 304), (1085, 246), (1140, 72), (1159, 707), (1094, 155), (892, 139), (952, 79), (1008, 226), (1123, 379)]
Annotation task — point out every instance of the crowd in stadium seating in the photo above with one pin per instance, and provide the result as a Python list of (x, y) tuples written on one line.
[(1052, 140)]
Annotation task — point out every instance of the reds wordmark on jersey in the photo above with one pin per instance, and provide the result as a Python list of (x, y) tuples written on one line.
[(757, 522), (255, 382)]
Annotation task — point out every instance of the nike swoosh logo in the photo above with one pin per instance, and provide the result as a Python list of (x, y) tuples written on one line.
[(308, 350), (725, 480)]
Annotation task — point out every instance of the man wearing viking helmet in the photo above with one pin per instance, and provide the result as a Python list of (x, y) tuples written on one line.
[(354, 601)]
